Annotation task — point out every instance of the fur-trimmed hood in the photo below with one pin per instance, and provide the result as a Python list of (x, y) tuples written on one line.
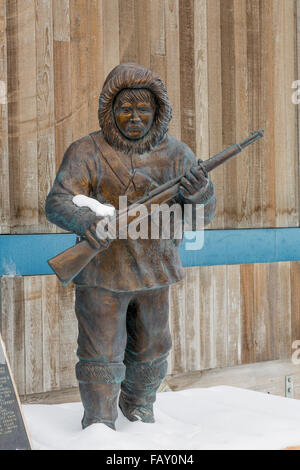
[(131, 75)]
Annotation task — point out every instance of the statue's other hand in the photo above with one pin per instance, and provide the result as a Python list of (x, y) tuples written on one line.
[(194, 184), (99, 233)]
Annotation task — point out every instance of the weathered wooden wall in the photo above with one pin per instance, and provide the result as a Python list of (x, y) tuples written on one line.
[(221, 316), (40, 331), (228, 65)]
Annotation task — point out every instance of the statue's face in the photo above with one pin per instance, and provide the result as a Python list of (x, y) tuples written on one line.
[(134, 113)]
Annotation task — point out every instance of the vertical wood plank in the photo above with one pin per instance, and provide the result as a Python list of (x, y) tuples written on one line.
[(297, 66), (220, 334), (247, 309), (19, 334), (111, 41), (267, 146), (61, 20), (177, 309), (295, 300), (192, 319), (283, 314), (128, 31), (207, 325), (170, 356), (68, 336), (173, 65), (285, 112), (62, 78), (51, 337), (241, 109), (12, 326), (215, 112), (79, 67), (23, 155), (234, 351), (229, 116), (95, 58), (143, 31), (201, 78), (33, 335), (4, 160), (45, 108), (254, 84), (292, 148), (13, 102), (158, 62), (264, 324), (7, 310), (187, 73)]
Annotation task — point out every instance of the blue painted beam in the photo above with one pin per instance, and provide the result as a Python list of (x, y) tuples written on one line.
[(22, 255), (27, 255), (244, 246)]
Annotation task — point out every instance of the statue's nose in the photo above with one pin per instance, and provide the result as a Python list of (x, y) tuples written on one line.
[(135, 117)]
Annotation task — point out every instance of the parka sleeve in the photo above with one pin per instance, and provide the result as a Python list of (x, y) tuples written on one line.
[(78, 174)]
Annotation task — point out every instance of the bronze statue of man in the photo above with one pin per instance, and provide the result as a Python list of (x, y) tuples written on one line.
[(122, 294)]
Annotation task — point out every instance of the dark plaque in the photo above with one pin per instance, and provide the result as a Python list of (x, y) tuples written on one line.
[(13, 433)]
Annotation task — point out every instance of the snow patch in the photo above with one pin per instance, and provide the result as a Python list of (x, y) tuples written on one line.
[(212, 418), (101, 210)]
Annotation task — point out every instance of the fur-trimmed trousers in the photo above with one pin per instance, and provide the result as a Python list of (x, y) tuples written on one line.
[(123, 342)]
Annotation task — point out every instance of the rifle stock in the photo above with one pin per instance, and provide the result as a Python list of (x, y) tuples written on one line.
[(68, 264)]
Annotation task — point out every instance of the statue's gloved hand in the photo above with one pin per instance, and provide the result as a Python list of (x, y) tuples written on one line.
[(194, 185), (99, 234)]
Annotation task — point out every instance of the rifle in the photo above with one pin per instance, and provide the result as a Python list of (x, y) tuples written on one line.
[(68, 264)]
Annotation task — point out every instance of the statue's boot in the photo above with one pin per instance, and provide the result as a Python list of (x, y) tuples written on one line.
[(138, 390), (99, 386)]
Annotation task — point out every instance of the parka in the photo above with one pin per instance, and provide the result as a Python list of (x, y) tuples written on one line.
[(100, 166)]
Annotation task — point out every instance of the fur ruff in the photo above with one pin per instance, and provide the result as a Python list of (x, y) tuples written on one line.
[(130, 75)]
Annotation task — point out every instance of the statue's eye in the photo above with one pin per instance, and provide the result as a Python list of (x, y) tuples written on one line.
[(144, 110), (126, 110)]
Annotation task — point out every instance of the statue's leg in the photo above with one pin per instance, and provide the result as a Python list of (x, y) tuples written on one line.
[(101, 318), (148, 345), (99, 387)]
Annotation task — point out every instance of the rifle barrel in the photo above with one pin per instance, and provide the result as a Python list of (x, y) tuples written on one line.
[(252, 138), (231, 152), (209, 164)]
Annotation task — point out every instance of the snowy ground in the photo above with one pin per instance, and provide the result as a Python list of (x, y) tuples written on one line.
[(214, 418)]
